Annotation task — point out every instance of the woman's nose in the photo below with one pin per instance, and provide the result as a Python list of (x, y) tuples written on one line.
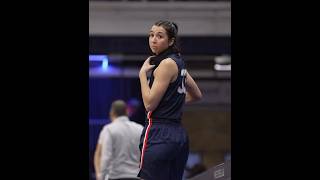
[(153, 39)]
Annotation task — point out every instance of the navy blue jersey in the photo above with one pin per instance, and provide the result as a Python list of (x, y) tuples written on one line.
[(171, 105)]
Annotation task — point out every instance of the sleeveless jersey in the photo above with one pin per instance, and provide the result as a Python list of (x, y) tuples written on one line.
[(171, 105)]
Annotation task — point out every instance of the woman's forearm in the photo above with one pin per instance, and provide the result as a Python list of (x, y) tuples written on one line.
[(145, 90)]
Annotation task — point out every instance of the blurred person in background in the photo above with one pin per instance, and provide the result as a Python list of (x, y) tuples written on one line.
[(117, 153), (135, 111)]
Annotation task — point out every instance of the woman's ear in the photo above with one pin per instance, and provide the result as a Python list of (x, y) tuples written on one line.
[(171, 41)]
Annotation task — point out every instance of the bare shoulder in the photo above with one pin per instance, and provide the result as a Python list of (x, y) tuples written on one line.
[(168, 63), (167, 66)]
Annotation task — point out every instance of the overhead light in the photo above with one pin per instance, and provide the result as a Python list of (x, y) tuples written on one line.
[(100, 58), (105, 64), (219, 67), (223, 59), (222, 63), (97, 57)]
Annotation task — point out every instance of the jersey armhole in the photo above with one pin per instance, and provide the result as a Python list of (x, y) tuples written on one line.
[(173, 82)]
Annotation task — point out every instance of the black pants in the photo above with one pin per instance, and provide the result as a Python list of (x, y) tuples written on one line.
[(164, 151)]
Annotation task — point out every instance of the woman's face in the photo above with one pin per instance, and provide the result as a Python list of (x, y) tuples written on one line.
[(158, 39)]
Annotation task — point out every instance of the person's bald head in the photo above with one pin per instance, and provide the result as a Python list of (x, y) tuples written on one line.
[(118, 108)]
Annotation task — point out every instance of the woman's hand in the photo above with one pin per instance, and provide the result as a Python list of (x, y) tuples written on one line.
[(146, 67)]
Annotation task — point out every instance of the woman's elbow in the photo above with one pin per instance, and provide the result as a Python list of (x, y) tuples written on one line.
[(198, 97), (193, 97), (149, 107)]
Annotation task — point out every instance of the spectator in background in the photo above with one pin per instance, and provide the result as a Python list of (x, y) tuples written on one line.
[(117, 153), (135, 111)]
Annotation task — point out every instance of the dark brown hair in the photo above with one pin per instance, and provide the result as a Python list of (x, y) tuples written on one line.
[(172, 32)]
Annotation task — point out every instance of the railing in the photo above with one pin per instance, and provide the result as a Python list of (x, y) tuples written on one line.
[(219, 172)]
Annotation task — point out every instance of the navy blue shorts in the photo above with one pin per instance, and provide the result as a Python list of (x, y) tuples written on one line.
[(164, 151)]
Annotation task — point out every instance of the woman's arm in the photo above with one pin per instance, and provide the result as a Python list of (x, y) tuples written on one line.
[(193, 91), (163, 75), (97, 157)]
